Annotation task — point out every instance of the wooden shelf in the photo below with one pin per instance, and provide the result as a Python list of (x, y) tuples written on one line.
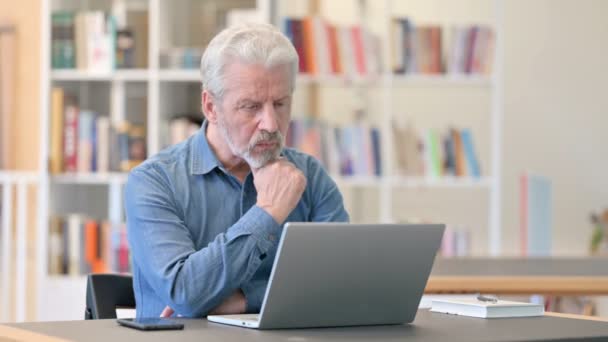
[(338, 80), (455, 80), (415, 182), (90, 178), (521, 285), (358, 181), (444, 182), (180, 75), (84, 75), (19, 176)]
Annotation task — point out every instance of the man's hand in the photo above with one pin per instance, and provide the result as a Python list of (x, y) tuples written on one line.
[(280, 186), (167, 312), (235, 304)]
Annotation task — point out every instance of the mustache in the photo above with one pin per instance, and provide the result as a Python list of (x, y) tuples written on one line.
[(266, 136)]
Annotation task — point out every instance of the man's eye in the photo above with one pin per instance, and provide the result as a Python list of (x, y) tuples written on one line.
[(278, 104), (251, 107)]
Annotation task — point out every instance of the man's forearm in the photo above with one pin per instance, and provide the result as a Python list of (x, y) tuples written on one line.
[(195, 282)]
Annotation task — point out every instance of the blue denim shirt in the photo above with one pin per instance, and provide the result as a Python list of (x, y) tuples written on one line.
[(196, 234)]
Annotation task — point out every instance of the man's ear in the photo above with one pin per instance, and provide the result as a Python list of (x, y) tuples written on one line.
[(209, 104)]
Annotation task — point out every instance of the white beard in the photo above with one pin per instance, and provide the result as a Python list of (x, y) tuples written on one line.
[(254, 161)]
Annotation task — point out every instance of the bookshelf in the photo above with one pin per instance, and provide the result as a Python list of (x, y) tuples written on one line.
[(15, 192), (434, 100), (157, 91)]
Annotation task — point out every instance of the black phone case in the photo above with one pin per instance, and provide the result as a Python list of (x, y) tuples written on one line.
[(149, 327)]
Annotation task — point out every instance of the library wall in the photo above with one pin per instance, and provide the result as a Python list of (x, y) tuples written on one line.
[(555, 113)]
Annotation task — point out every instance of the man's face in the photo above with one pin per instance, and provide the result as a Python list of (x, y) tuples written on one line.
[(254, 114)]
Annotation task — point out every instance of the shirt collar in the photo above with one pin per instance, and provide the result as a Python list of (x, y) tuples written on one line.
[(203, 158)]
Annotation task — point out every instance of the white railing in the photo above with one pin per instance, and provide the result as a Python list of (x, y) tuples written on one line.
[(13, 271)]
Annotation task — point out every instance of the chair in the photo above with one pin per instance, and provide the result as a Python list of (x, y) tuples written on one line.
[(105, 292)]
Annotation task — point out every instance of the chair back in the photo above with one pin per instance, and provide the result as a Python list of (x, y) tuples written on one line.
[(106, 292)]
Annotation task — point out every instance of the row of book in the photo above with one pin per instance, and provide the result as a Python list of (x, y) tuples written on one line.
[(456, 242), (324, 48), (83, 141), (349, 150), (93, 41), (78, 245), (180, 58), (433, 154), (420, 48)]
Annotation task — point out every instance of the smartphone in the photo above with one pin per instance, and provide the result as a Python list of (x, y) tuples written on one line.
[(150, 323)]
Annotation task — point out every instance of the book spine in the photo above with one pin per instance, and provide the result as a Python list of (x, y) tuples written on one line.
[(85, 148), (103, 144), (70, 138), (57, 126), (376, 141), (359, 49), (309, 45), (298, 43), (469, 151), (55, 246), (74, 240)]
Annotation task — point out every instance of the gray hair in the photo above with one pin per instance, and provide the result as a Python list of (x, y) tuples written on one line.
[(248, 43)]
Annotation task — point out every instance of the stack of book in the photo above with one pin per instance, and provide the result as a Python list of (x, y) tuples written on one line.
[(435, 155), (420, 49), (350, 150), (326, 49), (84, 141), (79, 245), (92, 40)]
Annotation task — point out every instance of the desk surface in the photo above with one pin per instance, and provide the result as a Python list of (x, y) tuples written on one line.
[(551, 267), (556, 276), (428, 326)]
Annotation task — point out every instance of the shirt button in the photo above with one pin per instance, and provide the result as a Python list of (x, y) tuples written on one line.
[(263, 256)]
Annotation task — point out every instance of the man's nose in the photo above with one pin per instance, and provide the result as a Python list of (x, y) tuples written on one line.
[(269, 121)]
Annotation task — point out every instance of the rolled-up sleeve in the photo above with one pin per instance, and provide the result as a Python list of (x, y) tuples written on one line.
[(191, 281)]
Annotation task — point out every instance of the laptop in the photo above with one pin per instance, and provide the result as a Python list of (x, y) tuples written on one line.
[(340, 274)]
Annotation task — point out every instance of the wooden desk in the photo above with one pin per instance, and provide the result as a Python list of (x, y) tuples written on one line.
[(554, 276), (427, 326)]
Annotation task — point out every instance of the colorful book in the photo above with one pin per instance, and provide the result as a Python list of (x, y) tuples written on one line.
[(472, 162)]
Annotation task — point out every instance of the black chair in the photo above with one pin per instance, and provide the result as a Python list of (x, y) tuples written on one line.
[(106, 292)]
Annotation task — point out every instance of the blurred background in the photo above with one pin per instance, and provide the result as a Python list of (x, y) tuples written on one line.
[(486, 115)]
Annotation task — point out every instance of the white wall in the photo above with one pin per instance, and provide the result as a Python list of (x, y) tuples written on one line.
[(556, 112)]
